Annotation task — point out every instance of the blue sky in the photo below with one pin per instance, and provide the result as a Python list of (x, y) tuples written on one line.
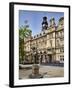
[(35, 19)]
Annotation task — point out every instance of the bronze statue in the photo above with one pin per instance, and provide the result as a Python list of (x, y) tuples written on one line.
[(35, 55)]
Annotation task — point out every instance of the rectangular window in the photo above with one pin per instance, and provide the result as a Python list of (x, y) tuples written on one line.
[(51, 36), (57, 34), (51, 43), (62, 58), (61, 39), (62, 49), (61, 33), (57, 43)]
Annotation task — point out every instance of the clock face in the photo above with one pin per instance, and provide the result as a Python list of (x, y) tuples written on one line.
[(44, 25)]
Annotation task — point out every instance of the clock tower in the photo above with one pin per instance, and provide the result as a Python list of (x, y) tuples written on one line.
[(44, 23)]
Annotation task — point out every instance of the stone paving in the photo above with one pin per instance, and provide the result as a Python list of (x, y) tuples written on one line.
[(46, 71)]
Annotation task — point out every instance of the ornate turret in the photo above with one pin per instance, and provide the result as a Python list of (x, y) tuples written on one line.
[(44, 24), (61, 21), (52, 22)]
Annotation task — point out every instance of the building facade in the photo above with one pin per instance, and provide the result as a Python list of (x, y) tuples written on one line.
[(49, 42)]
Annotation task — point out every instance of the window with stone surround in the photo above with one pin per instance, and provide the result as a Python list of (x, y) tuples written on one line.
[(51, 36), (57, 43), (62, 58), (61, 33), (57, 34), (51, 43), (62, 49)]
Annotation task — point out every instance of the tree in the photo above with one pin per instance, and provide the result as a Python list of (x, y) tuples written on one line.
[(24, 32)]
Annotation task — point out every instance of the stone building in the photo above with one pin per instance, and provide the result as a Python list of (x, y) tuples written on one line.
[(49, 42)]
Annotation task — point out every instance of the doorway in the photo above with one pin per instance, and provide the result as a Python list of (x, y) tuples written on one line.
[(50, 58)]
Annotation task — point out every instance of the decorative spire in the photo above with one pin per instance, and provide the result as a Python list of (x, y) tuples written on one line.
[(52, 21), (61, 21)]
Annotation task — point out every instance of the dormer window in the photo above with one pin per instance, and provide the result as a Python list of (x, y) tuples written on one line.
[(43, 32), (40, 34), (34, 36), (31, 37), (37, 35)]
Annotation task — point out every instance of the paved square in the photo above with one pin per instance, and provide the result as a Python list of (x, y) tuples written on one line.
[(46, 71)]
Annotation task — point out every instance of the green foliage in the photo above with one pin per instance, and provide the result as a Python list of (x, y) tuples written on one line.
[(24, 32)]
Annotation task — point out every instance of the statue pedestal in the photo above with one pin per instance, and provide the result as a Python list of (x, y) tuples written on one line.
[(35, 69), (35, 72)]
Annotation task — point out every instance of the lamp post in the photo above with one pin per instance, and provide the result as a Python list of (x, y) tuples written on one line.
[(35, 66)]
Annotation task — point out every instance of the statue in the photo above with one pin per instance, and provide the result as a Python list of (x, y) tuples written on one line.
[(35, 66), (35, 55)]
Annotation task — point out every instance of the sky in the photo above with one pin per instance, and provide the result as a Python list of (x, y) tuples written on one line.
[(35, 19)]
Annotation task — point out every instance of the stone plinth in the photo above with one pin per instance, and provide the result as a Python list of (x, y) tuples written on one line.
[(35, 72), (35, 69)]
